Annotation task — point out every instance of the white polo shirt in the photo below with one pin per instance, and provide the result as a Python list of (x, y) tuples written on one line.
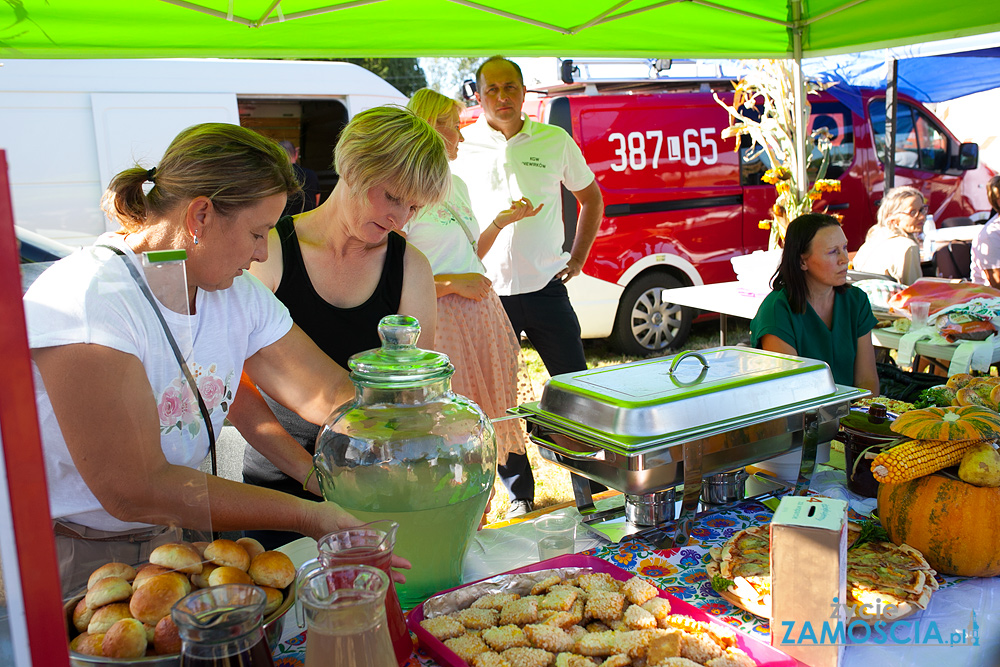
[(533, 164)]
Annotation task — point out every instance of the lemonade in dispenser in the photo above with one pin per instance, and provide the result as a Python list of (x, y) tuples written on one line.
[(410, 450)]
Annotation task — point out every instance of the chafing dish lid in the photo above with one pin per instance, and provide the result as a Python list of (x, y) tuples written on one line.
[(645, 399)]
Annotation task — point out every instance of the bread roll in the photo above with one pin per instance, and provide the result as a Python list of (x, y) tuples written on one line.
[(166, 638), (180, 557), (108, 590), (107, 616), (252, 546), (150, 633), (272, 568), (123, 570), (200, 580), (228, 575), (155, 598), (145, 573), (82, 615), (88, 644), (228, 553), (199, 547), (125, 639), (274, 600)]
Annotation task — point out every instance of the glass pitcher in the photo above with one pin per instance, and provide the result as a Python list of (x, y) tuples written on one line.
[(344, 610), (222, 626), (409, 449), (371, 544)]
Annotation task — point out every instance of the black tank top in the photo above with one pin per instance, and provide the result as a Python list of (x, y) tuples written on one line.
[(339, 332)]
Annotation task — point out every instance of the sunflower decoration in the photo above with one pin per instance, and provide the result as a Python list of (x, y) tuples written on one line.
[(762, 109)]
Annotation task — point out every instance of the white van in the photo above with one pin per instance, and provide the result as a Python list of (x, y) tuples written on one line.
[(69, 126)]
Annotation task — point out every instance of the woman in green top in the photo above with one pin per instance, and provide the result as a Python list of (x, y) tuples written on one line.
[(812, 312)]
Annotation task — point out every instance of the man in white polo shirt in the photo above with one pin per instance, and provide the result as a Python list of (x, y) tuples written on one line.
[(507, 156)]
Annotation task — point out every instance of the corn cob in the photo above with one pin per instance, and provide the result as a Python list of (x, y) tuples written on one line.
[(916, 458)]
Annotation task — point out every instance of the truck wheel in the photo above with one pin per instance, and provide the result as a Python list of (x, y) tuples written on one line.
[(645, 324)]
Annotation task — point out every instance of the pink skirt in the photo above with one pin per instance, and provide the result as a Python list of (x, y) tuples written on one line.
[(480, 341)]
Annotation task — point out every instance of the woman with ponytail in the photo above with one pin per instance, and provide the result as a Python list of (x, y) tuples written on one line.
[(125, 419)]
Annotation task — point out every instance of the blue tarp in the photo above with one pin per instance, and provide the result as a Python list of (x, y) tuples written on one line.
[(926, 79)]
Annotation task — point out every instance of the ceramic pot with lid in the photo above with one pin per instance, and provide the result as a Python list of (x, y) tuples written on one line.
[(409, 449), (865, 433)]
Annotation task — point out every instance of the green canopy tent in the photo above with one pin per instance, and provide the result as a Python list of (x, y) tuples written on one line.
[(313, 28), (319, 28)]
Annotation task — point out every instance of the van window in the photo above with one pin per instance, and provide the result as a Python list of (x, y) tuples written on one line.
[(837, 119), (920, 142)]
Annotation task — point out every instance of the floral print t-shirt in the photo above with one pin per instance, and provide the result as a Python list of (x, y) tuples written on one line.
[(90, 297)]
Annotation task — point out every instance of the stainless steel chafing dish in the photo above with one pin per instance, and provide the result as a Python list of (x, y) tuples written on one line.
[(647, 427)]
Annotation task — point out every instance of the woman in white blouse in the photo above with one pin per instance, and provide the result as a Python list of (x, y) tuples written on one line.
[(891, 247), (472, 327)]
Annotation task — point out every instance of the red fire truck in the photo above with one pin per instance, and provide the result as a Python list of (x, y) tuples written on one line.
[(680, 201)]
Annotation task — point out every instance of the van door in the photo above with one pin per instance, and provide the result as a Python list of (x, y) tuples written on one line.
[(850, 204), (671, 185), (136, 128), (923, 158)]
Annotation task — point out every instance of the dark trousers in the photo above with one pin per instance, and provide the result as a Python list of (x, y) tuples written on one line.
[(550, 323)]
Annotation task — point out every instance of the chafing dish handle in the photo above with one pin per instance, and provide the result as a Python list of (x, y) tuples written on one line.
[(684, 355), (681, 357), (569, 453)]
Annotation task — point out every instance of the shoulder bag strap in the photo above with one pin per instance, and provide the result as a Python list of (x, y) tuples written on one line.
[(177, 352)]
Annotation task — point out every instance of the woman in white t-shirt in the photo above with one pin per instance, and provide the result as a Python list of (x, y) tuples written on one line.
[(472, 327), (891, 247), (123, 433), (985, 267)]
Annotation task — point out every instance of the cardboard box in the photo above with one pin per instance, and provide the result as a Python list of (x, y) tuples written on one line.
[(809, 579)]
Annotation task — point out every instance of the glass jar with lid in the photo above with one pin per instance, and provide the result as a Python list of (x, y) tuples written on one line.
[(409, 449)]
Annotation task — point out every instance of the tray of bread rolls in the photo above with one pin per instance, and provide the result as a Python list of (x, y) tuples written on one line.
[(123, 617)]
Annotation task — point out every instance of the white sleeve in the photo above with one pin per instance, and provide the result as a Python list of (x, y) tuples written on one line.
[(576, 172), (269, 318)]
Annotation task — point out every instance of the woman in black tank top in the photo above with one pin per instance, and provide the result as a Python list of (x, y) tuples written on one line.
[(340, 268)]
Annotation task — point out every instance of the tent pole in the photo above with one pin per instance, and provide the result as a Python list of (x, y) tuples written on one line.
[(891, 108), (799, 107)]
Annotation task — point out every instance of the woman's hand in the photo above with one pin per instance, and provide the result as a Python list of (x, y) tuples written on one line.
[(518, 210), (473, 286), (331, 517)]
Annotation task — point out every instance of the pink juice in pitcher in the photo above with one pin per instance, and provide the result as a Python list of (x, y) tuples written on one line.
[(372, 544)]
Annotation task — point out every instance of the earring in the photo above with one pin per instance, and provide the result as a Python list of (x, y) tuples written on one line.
[(196, 240)]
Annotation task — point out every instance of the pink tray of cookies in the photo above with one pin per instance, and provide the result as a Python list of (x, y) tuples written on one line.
[(763, 655)]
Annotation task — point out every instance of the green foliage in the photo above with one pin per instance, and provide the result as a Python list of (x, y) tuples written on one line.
[(720, 584), (446, 75), (403, 73), (871, 531), (940, 397)]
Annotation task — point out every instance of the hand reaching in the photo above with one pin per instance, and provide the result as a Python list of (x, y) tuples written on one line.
[(330, 517), (518, 210)]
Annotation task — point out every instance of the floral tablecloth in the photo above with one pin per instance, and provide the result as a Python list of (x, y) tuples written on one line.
[(678, 571)]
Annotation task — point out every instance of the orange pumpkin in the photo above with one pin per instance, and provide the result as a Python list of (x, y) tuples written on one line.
[(953, 524), (968, 422)]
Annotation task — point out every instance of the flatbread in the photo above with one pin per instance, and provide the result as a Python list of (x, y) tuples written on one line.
[(894, 581)]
